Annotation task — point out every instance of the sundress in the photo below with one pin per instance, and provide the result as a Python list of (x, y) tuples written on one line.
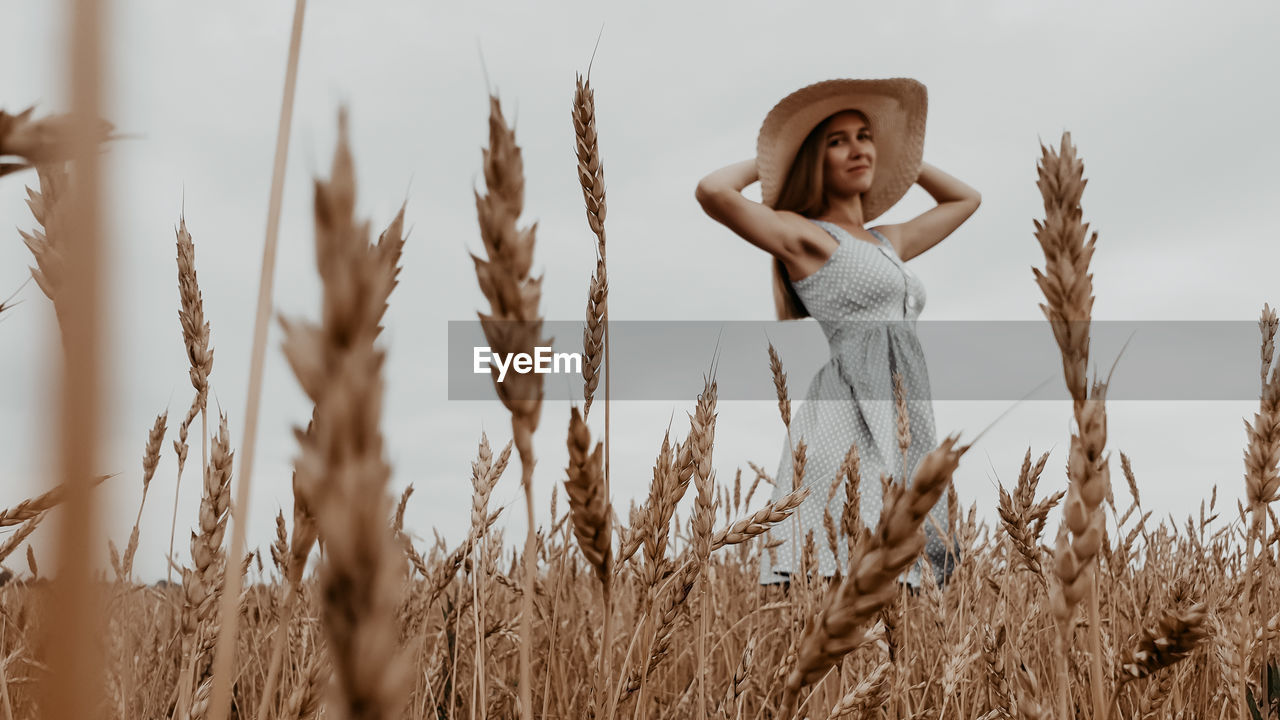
[(867, 303)]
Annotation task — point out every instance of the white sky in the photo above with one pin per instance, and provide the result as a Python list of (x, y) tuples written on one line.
[(1170, 104)]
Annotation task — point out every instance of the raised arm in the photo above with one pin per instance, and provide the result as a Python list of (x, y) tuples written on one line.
[(720, 195), (733, 178), (956, 202)]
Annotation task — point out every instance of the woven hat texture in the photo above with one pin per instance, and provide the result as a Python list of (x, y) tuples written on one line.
[(896, 109)]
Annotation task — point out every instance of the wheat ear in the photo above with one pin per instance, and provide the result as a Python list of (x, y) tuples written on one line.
[(43, 140), (49, 245), (150, 459), (513, 325), (591, 178), (28, 509), (1177, 634), (1068, 288), (294, 551), (878, 560), (341, 471), (588, 506), (780, 386), (1015, 514), (14, 541), (202, 584), (760, 521), (1262, 454), (856, 699), (195, 339), (595, 335)]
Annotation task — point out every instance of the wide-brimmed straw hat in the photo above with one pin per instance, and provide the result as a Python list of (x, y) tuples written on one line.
[(896, 109)]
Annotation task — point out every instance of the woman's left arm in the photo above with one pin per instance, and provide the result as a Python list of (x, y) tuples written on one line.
[(956, 202)]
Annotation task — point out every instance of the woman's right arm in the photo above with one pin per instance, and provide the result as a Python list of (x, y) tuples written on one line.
[(720, 195)]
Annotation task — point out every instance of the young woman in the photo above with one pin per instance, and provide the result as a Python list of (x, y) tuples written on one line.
[(830, 158)]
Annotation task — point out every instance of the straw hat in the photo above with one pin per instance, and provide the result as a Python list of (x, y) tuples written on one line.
[(896, 108)]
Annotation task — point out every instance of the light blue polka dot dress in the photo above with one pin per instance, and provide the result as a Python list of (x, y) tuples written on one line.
[(867, 302)]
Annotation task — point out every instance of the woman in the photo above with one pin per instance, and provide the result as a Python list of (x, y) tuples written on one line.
[(831, 157)]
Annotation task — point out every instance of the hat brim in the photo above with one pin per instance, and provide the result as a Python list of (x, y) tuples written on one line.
[(896, 109)]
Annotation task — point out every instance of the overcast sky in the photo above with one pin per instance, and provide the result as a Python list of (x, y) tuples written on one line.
[(1171, 105)]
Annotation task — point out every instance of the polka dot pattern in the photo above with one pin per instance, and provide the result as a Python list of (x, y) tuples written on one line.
[(866, 302)]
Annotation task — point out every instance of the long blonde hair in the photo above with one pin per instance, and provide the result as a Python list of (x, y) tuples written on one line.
[(802, 192)]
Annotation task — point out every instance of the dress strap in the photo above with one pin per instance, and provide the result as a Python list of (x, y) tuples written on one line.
[(886, 242)]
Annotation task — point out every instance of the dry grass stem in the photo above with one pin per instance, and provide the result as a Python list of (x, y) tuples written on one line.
[(220, 697)]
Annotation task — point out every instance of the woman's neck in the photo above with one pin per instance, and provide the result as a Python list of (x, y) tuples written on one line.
[(846, 213), (844, 217)]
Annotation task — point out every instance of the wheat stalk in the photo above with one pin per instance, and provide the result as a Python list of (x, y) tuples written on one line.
[(341, 471), (46, 140), (591, 178), (220, 698), (737, 684), (780, 386), (701, 442), (1262, 454), (28, 509), (760, 521), (72, 688), (857, 698), (484, 476), (878, 560), (1177, 634), (195, 339), (150, 459), (513, 325), (1029, 707), (293, 551), (12, 542), (665, 491), (1068, 288), (588, 506), (332, 223), (1017, 518), (203, 583), (50, 245), (851, 513)]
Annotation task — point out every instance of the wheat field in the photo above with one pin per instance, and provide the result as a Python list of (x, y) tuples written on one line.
[(608, 612)]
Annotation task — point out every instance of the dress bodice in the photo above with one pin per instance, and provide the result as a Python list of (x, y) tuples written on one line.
[(861, 281)]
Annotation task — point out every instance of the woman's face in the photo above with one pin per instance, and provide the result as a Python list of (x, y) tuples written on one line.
[(850, 157)]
